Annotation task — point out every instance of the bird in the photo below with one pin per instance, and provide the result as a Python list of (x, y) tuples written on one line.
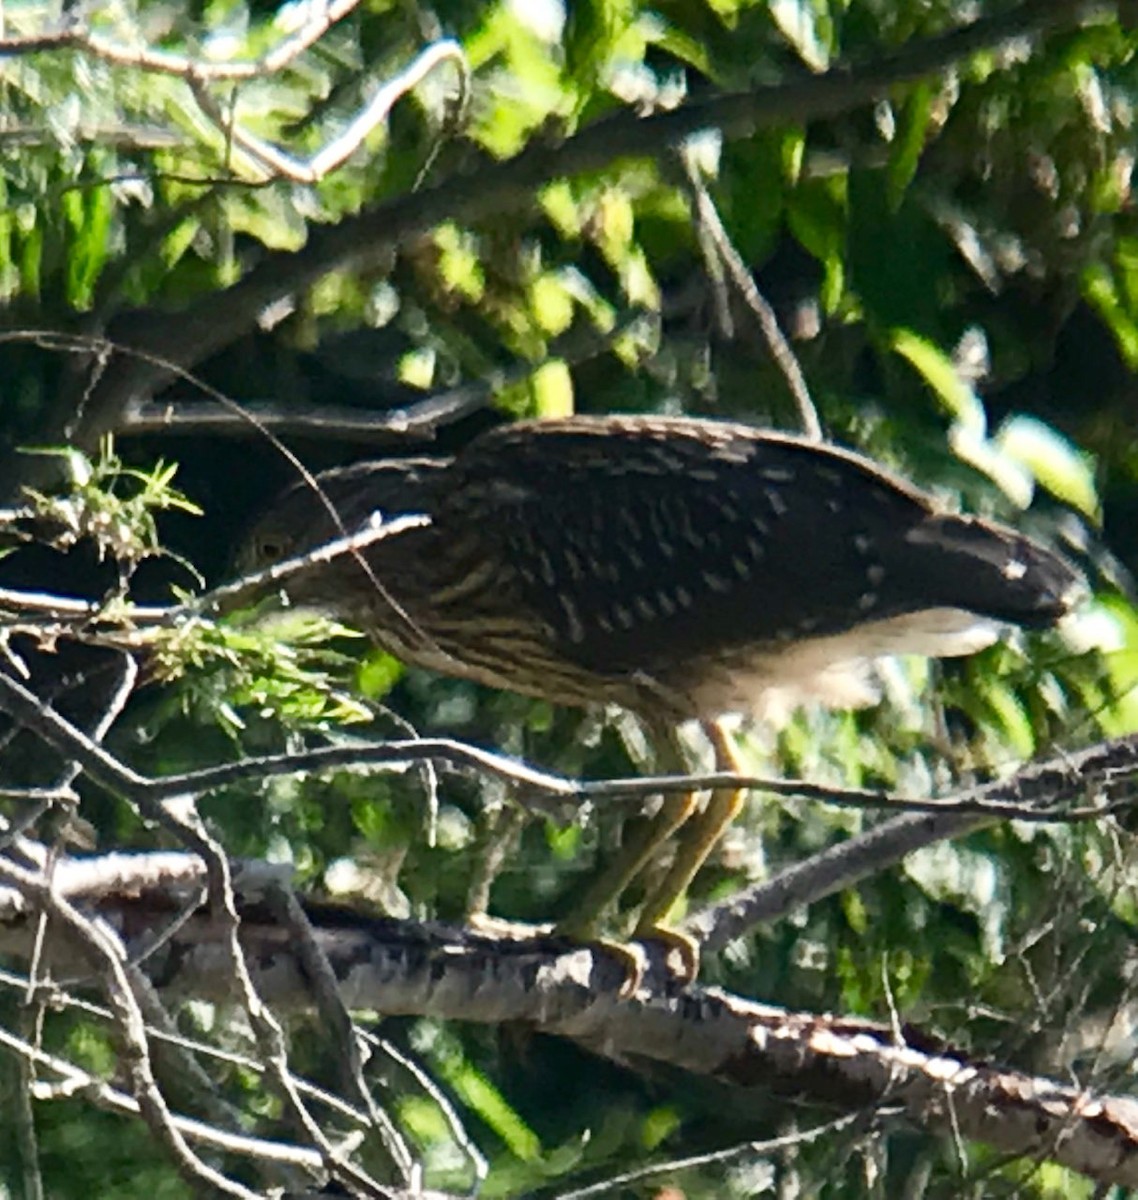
[(682, 568)]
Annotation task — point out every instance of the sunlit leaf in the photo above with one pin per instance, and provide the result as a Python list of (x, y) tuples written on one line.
[(1062, 469), (659, 1125), (798, 22), (378, 674), (1012, 477), (459, 266), (1100, 290), (484, 1099), (940, 373), (553, 390), (552, 302)]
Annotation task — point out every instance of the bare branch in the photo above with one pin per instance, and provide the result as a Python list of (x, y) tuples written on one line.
[(278, 163), (831, 870), (770, 1146), (162, 1033), (412, 969), (105, 953), (1038, 792), (73, 1079), (1035, 793), (410, 422), (335, 1018)]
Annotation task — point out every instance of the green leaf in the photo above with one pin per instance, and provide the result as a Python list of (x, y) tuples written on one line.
[(459, 266), (1101, 293), (940, 373), (1005, 713), (480, 1095), (905, 152), (552, 302), (379, 673), (552, 390), (88, 215), (561, 207), (594, 33), (659, 1125), (854, 909), (681, 46), (1110, 626), (1060, 467)]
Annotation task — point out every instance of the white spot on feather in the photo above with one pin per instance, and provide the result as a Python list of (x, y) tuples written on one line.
[(716, 582), (776, 501), (576, 629)]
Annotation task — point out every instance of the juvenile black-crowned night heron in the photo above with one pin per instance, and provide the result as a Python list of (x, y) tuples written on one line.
[(683, 569)]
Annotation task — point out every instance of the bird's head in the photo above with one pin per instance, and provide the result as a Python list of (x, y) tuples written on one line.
[(333, 505)]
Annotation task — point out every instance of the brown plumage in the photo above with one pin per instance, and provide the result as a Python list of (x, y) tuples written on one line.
[(680, 568), (664, 563)]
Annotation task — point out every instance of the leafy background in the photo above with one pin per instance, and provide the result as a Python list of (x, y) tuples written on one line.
[(957, 268)]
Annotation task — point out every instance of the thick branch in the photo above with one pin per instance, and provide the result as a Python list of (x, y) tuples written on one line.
[(411, 969), (825, 873)]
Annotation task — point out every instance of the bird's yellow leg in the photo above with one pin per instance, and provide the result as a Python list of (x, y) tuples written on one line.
[(641, 847), (698, 841)]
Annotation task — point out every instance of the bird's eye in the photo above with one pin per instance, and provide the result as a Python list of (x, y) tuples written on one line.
[(271, 548)]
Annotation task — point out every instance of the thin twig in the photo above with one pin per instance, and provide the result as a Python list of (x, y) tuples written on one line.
[(78, 1080), (76, 37), (88, 753), (162, 1033), (23, 1124), (102, 947), (280, 164), (410, 422), (375, 530), (419, 969), (1030, 794), (480, 1167), (613, 1183), (823, 874), (336, 1020), (712, 230)]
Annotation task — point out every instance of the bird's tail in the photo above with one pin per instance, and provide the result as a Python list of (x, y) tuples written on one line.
[(993, 571)]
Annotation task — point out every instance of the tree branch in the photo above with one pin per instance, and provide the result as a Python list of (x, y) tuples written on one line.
[(165, 344), (405, 968)]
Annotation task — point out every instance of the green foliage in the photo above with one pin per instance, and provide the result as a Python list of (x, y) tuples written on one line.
[(957, 267), (283, 669), (112, 505)]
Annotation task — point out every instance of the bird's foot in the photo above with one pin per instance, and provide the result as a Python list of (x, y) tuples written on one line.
[(631, 956), (678, 952), (681, 952)]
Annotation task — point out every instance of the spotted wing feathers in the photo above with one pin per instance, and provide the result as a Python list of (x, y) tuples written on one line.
[(674, 540)]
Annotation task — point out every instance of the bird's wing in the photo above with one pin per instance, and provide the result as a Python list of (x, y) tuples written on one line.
[(644, 544)]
